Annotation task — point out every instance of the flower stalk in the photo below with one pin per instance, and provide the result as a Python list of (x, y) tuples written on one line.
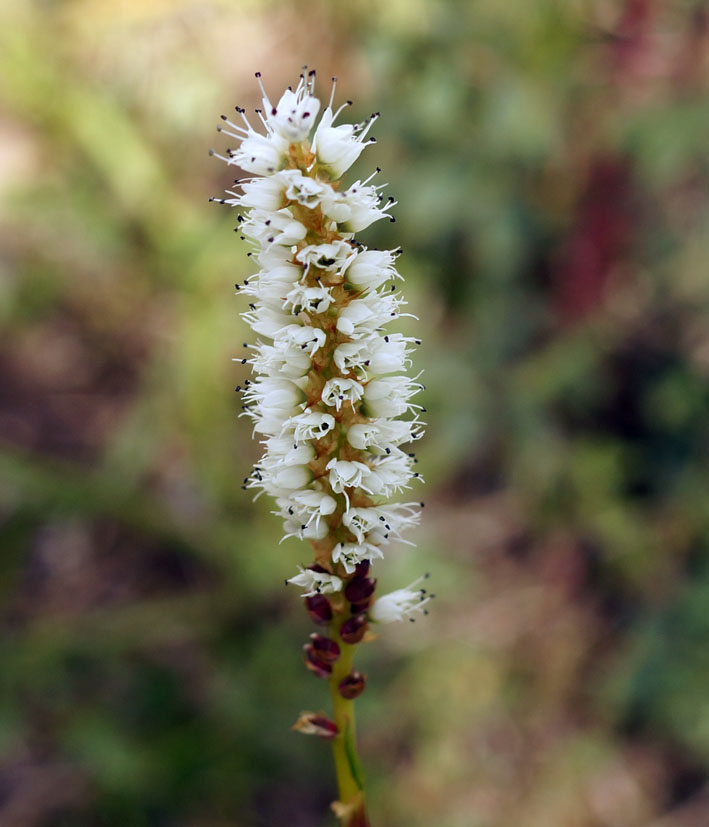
[(330, 398)]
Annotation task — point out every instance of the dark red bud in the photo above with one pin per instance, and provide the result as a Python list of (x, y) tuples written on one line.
[(359, 589), (362, 569), (352, 630), (359, 608), (319, 609), (324, 648), (310, 723), (318, 667), (353, 685)]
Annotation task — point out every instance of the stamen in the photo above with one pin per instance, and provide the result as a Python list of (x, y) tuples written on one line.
[(263, 91)]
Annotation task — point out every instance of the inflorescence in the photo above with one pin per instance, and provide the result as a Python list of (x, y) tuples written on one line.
[(331, 398)]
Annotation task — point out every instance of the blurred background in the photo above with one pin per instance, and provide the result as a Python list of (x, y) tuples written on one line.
[(551, 164)]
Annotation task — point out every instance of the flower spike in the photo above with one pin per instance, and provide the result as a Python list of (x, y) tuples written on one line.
[(330, 398)]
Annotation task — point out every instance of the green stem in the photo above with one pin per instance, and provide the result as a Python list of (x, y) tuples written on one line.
[(350, 783)]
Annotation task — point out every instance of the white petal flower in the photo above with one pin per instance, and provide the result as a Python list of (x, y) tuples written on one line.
[(391, 473), (336, 391), (377, 524), (312, 299), (346, 474), (260, 154), (336, 255), (281, 274), (338, 147), (294, 115), (281, 359), (400, 604), (384, 433), (363, 316), (321, 503), (390, 397), (374, 355), (314, 530), (305, 509), (371, 268), (310, 425), (271, 392), (356, 208), (268, 227), (305, 190), (309, 339), (281, 451), (268, 322), (350, 554), (293, 476), (315, 582), (262, 193)]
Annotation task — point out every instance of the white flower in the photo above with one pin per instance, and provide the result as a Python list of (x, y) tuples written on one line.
[(293, 476), (390, 473), (309, 339), (374, 355), (346, 474), (379, 524), (311, 299), (280, 450), (400, 604), (338, 147), (273, 393), (306, 191), (371, 268), (267, 321), (316, 582), (266, 226), (321, 502), (384, 433), (260, 154), (293, 527), (361, 521), (390, 397), (294, 115), (349, 554), (330, 396), (281, 359), (262, 193), (310, 425), (356, 208), (336, 255), (363, 316), (281, 274), (339, 390)]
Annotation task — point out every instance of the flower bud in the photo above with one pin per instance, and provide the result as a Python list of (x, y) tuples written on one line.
[(359, 608), (352, 686), (352, 630), (324, 648), (360, 589), (313, 723), (319, 609), (318, 667), (362, 569)]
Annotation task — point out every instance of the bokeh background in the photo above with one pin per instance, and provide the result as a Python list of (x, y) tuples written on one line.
[(551, 163)]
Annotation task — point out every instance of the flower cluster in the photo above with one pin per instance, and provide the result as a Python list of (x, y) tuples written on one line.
[(330, 398)]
